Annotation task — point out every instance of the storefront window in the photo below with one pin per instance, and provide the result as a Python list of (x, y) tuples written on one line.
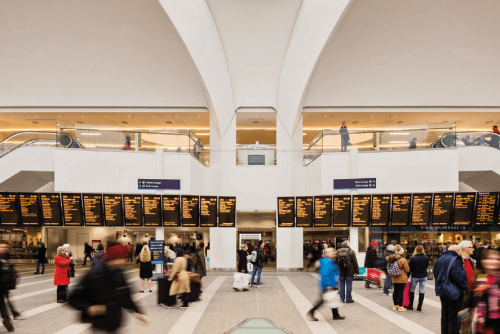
[(256, 137), (23, 242)]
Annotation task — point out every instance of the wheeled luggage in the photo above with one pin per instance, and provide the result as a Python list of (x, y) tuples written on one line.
[(163, 289), (194, 295), (241, 281)]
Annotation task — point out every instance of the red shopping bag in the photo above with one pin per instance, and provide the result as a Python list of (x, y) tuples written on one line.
[(372, 275), (406, 295)]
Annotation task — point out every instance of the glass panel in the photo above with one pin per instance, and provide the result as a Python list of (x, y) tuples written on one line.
[(23, 139), (256, 138)]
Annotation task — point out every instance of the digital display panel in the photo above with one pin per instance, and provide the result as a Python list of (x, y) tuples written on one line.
[(401, 210), (486, 208), (227, 211), (421, 210), (30, 212), (286, 212), (72, 209), (381, 210), (443, 209), (152, 210), (322, 211), (171, 210), (360, 210), (51, 209), (464, 209), (190, 211), (92, 210), (8, 209), (304, 211), (113, 210), (208, 211), (341, 210), (132, 205)]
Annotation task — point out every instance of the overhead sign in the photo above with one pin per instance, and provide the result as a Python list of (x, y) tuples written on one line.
[(343, 184), (156, 247), (159, 184)]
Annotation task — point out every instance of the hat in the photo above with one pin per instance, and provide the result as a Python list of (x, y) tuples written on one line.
[(116, 251), (390, 248), (373, 244), (399, 250), (65, 246)]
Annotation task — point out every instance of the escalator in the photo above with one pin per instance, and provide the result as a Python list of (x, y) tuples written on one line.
[(34, 138), (463, 139)]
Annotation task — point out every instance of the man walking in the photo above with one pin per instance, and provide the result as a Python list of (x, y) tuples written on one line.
[(348, 265), (257, 258), (451, 284), (88, 253), (41, 259)]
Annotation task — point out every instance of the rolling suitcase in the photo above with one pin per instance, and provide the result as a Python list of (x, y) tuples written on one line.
[(194, 295), (163, 289)]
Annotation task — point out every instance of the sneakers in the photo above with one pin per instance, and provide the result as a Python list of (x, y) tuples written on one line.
[(310, 317), (166, 305), (36, 273), (395, 308), (18, 316), (184, 306), (8, 325), (402, 309), (236, 289), (385, 294), (352, 301), (340, 317)]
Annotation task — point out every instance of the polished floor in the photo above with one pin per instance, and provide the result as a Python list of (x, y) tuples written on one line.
[(284, 298)]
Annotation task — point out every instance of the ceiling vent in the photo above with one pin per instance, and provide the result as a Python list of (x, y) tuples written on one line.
[(126, 123), (35, 122), (168, 122)]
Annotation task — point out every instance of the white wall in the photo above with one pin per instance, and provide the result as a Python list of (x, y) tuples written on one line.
[(479, 158), (26, 159), (256, 188), (223, 248), (289, 248)]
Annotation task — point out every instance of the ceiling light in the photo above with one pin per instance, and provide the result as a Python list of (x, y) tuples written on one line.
[(203, 134), (398, 142), (400, 133), (83, 116), (57, 116), (104, 116), (199, 116), (90, 134), (395, 116), (36, 116), (325, 116), (372, 115), (304, 133)]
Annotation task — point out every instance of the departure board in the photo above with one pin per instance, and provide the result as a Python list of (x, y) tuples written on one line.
[(113, 210), (227, 211), (381, 210), (190, 211), (322, 211), (360, 210), (152, 210), (172, 210), (72, 209), (286, 212), (132, 205), (30, 212), (51, 209), (401, 210), (8, 209), (421, 210), (464, 209), (304, 211), (486, 208), (443, 209), (208, 211), (92, 210), (341, 211)]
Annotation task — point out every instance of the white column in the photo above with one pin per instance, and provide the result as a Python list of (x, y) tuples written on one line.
[(289, 248), (354, 238), (353, 173), (160, 172), (223, 248)]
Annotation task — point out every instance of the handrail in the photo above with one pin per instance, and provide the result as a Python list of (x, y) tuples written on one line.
[(29, 142), (28, 132)]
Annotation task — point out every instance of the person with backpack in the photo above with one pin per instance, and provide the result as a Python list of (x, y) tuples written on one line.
[(8, 280), (389, 250), (348, 267), (257, 258), (41, 259), (98, 258), (198, 261), (398, 269), (371, 260)]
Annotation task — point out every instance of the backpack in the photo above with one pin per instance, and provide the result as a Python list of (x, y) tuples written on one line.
[(194, 260), (393, 269), (253, 256), (8, 276), (343, 259)]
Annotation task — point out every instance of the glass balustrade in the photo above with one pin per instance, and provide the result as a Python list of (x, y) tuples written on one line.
[(462, 139), (28, 138)]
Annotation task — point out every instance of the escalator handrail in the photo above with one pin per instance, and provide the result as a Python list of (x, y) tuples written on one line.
[(28, 132), (29, 142)]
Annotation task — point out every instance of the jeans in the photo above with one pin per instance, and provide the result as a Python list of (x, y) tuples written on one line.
[(387, 284), (346, 288), (38, 267), (398, 294), (335, 311), (449, 312), (421, 285), (255, 270)]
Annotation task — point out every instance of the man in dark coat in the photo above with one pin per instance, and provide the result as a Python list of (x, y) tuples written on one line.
[(88, 250), (41, 259), (103, 292), (348, 266), (371, 259)]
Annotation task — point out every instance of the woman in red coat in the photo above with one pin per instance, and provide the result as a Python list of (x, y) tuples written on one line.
[(61, 278)]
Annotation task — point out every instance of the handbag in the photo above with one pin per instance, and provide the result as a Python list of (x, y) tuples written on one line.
[(175, 278), (249, 266), (373, 276), (331, 299), (406, 295)]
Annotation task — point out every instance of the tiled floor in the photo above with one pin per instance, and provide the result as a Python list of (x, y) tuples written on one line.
[(222, 308)]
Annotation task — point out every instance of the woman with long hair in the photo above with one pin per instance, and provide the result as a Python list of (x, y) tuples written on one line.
[(397, 259), (419, 263), (145, 271)]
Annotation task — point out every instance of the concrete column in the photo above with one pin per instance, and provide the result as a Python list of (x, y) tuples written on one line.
[(354, 238), (223, 248), (288, 253), (160, 172)]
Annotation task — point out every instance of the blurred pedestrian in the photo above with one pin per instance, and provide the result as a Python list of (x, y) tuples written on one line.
[(41, 259), (146, 269), (398, 269), (98, 257), (242, 259), (61, 276), (8, 278), (180, 281), (130, 252), (344, 138), (88, 250), (198, 261), (419, 263), (371, 260)]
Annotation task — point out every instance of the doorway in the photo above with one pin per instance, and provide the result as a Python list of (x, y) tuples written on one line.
[(81, 239)]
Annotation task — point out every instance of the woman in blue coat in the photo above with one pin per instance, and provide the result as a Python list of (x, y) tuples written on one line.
[(329, 274)]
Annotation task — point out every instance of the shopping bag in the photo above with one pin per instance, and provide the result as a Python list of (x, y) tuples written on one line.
[(241, 281), (331, 299), (249, 267), (381, 280), (373, 276), (406, 295)]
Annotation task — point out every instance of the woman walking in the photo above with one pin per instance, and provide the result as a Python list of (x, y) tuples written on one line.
[(146, 271), (61, 278), (242, 259), (180, 281), (397, 264), (419, 263)]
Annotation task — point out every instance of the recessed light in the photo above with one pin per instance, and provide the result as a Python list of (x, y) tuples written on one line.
[(13, 116), (325, 116), (36, 116), (152, 116), (395, 116), (104, 116), (83, 116), (129, 116), (199, 116), (372, 115)]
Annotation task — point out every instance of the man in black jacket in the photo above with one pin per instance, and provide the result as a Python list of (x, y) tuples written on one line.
[(88, 253), (40, 259), (371, 259), (259, 262), (103, 293)]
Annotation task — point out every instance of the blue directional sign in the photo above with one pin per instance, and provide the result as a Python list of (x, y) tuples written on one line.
[(156, 247), (159, 184), (344, 184)]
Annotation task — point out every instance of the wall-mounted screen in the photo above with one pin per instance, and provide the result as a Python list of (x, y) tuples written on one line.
[(152, 210), (30, 212), (421, 210), (381, 210), (92, 210), (208, 211), (464, 209), (442, 209), (132, 205), (51, 209), (9, 215), (401, 210), (227, 211), (113, 210), (286, 212), (304, 211), (486, 208), (322, 211), (190, 211), (360, 210), (72, 209), (341, 211), (171, 210)]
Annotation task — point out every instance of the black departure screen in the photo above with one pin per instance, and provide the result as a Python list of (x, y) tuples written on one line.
[(304, 211), (51, 209), (401, 210), (30, 213), (341, 210), (286, 212), (486, 208), (113, 210), (360, 210), (208, 211), (227, 211), (322, 211), (171, 210), (152, 210), (72, 209), (8, 209), (421, 210), (381, 210), (190, 211), (92, 209), (133, 210), (464, 209), (443, 209)]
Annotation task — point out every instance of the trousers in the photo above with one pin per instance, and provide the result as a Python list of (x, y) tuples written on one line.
[(335, 311), (449, 312)]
